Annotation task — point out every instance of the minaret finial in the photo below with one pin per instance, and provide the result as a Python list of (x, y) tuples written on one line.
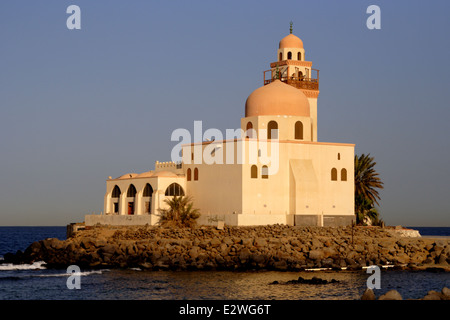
[(290, 27)]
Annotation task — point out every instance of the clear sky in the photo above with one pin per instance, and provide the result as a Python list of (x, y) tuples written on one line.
[(77, 106)]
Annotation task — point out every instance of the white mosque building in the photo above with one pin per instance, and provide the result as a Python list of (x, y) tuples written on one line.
[(306, 182)]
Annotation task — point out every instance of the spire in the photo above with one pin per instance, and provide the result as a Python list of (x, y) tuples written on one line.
[(290, 27)]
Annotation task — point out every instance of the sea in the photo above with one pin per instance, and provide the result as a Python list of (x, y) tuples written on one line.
[(35, 282)]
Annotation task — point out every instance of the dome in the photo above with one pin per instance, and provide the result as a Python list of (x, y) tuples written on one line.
[(147, 174), (277, 98), (164, 174), (290, 41), (128, 176)]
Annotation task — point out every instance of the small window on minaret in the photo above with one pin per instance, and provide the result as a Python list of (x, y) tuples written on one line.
[(289, 55), (339, 156), (299, 56)]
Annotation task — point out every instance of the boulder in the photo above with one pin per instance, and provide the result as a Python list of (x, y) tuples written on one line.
[(368, 295), (432, 295), (391, 295), (446, 293), (316, 254)]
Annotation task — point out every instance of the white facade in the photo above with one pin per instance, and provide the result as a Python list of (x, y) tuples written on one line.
[(306, 182)]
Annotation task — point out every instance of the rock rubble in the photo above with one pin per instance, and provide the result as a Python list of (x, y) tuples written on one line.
[(275, 247)]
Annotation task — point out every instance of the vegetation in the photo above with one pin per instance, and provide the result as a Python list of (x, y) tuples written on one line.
[(179, 213), (367, 183)]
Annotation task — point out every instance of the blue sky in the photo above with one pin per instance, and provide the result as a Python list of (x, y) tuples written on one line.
[(77, 106)]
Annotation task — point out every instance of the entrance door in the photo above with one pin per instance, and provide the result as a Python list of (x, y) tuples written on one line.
[(130, 208)]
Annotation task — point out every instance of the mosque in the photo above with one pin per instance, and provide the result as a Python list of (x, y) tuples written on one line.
[(305, 182)]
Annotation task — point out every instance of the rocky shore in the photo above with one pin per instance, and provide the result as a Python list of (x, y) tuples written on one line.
[(276, 247)]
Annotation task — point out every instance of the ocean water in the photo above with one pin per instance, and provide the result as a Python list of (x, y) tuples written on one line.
[(35, 282)]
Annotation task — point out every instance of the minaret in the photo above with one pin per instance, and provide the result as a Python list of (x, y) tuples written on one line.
[(291, 68)]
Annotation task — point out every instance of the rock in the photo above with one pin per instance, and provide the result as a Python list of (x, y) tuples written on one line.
[(391, 295), (260, 242), (432, 295), (446, 292), (368, 295), (215, 242), (316, 254)]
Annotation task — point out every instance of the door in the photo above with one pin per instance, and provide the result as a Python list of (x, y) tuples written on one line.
[(130, 208)]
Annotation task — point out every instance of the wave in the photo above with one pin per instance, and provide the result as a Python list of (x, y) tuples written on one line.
[(39, 265), (83, 273)]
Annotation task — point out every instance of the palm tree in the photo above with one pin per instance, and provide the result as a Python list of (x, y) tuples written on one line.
[(179, 213), (367, 183)]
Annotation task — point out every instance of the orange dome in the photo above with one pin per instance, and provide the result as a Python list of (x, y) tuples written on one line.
[(290, 41), (277, 98)]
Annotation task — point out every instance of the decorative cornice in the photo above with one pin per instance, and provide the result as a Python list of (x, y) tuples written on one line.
[(291, 63), (311, 93)]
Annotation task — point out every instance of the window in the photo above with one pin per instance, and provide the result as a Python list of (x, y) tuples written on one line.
[(289, 55), (299, 130), (339, 156), (189, 173), (148, 190), (272, 130), (147, 207), (116, 207), (249, 130), (131, 191), (333, 174), (265, 172), (281, 56), (299, 56), (254, 172), (174, 190), (195, 174), (344, 175), (116, 192)]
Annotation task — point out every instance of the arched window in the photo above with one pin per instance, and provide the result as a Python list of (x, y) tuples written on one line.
[(299, 130), (265, 172), (249, 130), (116, 192), (189, 173), (289, 55), (174, 190), (299, 56), (254, 172), (195, 174), (281, 56), (344, 175), (272, 130), (148, 190), (131, 191), (300, 75), (334, 174)]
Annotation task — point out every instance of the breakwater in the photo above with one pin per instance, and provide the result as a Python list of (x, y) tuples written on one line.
[(275, 247)]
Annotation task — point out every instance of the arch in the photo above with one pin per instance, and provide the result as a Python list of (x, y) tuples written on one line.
[(249, 130), (299, 130), (116, 192), (174, 190), (300, 75), (254, 172), (281, 56), (272, 126), (148, 190), (265, 172), (131, 193), (334, 174), (299, 56), (195, 174), (344, 174), (289, 56), (189, 174)]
